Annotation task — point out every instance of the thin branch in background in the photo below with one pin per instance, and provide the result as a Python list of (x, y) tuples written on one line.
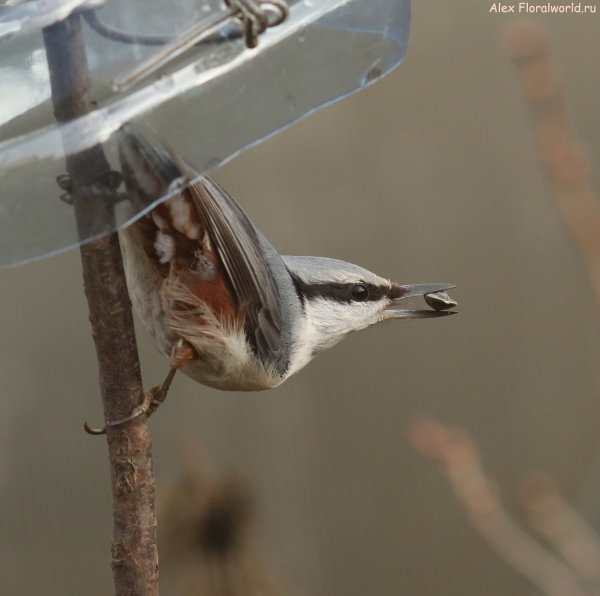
[(572, 536), (564, 159), (461, 461), (134, 556), (208, 534)]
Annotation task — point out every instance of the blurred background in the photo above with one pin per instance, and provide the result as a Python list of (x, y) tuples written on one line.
[(427, 176)]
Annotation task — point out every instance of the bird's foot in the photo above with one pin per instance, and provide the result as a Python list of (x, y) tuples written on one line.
[(182, 354), (104, 185), (152, 399)]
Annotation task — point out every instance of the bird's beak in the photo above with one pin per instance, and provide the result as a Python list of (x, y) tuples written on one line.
[(434, 294)]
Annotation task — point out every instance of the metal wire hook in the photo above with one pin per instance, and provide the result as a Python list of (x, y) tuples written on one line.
[(254, 18)]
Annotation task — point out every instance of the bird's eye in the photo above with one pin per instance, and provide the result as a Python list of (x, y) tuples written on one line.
[(359, 292)]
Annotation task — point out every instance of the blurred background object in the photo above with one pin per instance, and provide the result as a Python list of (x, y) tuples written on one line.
[(430, 174), (575, 541), (208, 534), (565, 161)]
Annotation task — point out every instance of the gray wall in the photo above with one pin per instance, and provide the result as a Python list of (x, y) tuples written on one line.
[(426, 176)]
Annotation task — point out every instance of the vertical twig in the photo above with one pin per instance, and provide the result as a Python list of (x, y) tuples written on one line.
[(134, 555), (564, 159)]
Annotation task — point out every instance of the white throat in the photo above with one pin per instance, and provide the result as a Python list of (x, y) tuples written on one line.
[(326, 322)]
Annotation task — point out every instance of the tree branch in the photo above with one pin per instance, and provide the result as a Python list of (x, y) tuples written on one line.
[(134, 554), (565, 161)]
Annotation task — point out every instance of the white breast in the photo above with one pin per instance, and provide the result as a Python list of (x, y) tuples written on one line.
[(225, 360)]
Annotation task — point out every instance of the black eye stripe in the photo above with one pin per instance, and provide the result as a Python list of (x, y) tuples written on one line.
[(338, 292), (378, 292)]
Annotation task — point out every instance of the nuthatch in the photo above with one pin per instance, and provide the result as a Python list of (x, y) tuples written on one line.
[(217, 299)]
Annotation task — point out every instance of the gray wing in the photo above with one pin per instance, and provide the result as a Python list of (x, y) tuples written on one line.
[(236, 241)]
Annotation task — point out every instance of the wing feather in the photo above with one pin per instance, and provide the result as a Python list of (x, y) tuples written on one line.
[(237, 243)]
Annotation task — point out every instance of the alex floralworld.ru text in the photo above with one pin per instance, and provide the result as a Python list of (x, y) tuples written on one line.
[(526, 7)]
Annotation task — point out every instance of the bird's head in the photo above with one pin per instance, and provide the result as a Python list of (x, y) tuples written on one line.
[(338, 298)]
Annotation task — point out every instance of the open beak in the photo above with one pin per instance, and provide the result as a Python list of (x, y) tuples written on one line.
[(434, 294)]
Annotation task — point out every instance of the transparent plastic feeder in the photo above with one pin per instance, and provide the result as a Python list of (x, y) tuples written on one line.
[(209, 102)]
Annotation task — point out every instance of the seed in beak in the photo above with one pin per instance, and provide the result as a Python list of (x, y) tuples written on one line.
[(440, 301)]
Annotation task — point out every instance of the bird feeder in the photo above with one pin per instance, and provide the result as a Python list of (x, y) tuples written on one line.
[(207, 77)]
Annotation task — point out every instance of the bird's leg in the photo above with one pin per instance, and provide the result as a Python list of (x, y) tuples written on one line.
[(156, 395), (181, 356)]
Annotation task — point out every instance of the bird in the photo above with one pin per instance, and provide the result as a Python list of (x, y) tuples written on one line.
[(218, 301)]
